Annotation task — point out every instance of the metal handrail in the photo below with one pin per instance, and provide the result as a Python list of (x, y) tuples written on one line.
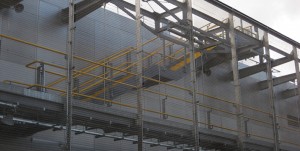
[(92, 62), (151, 111)]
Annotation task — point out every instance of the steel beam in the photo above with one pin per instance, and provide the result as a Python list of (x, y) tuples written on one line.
[(210, 19), (166, 37), (279, 51), (82, 9), (277, 81), (70, 68), (139, 56), (174, 10), (131, 7), (236, 83), (283, 52), (248, 48), (193, 74), (123, 4), (167, 10), (271, 93), (245, 72), (289, 93), (295, 54), (254, 22)]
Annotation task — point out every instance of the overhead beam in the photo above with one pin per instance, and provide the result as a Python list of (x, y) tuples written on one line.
[(131, 7), (167, 10), (82, 9), (222, 57), (254, 22), (219, 59), (279, 51), (289, 93), (198, 13), (178, 26), (277, 81), (177, 3), (247, 49), (245, 72), (210, 19), (174, 11), (153, 31)]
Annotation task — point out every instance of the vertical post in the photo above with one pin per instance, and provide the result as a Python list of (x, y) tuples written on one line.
[(110, 89), (185, 60), (40, 79), (298, 77), (128, 58), (139, 75), (171, 53), (271, 92), (193, 74), (104, 71), (69, 96), (246, 127), (242, 26), (209, 119), (164, 53), (76, 85), (236, 83)]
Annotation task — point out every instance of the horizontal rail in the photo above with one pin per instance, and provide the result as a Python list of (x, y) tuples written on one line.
[(148, 110), (92, 62)]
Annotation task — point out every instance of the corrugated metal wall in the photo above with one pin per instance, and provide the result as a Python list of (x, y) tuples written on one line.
[(99, 35)]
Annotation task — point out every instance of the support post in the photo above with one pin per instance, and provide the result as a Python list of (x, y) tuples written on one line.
[(70, 68), (271, 92), (139, 56), (164, 53), (193, 75), (185, 60), (40, 77), (164, 107), (110, 87), (236, 83), (208, 117), (297, 77)]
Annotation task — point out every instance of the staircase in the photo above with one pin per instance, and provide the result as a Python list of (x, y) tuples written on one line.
[(122, 78)]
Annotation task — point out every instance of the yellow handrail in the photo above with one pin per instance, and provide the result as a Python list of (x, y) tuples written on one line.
[(105, 60), (148, 110), (151, 79), (129, 76), (93, 66), (123, 70)]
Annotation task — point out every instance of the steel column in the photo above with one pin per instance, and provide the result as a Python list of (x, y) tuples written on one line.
[(193, 74), (236, 82), (164, 53), (271, 92), (69, 96), (40, 77), (297, 69), (296, 58), (139, 56)]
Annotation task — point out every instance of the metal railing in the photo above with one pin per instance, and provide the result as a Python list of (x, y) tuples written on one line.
[(175, 98)]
